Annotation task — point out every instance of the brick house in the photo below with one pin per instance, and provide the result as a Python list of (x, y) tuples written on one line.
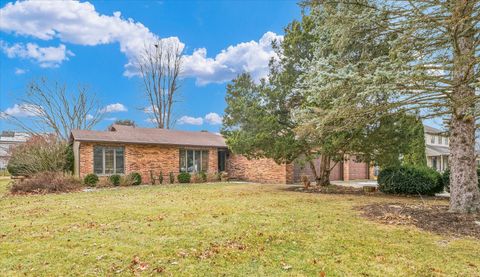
[(125, 149)]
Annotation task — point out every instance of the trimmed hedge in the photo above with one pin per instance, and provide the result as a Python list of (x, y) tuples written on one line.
[(446, 179), (136, 178), (410, 180), (115, 179), (184, 177), (91, 179)]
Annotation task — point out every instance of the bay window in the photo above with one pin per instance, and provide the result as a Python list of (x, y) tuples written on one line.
[(108, 160), (192, 160)]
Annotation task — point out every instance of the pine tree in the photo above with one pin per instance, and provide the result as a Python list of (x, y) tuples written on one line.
[(431, 66)]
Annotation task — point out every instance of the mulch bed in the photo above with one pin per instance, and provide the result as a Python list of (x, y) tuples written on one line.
[(433, 218), (332, 189)]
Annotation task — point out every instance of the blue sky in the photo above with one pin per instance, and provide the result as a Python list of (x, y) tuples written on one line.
[(92, 42)]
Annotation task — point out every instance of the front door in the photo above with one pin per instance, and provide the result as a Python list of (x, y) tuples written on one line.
[(222, 159)]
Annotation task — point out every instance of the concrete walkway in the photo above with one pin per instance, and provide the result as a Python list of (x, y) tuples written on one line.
[(356, 183)]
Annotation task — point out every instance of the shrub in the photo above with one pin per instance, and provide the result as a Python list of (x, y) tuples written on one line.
[(115, 179), (196, 178), (184, 177), (136, 178), (213, 177), (306, 181), (40, 154), (69, 159), (46, 182), (91, 179), (160, 178), (223, 176), (126, 181), (203, 176), (446, 179), (104, 183), (152, 177), (410, 180), (171, 176)]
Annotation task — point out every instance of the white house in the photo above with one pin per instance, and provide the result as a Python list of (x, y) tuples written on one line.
[(438, 148), (8, 140)]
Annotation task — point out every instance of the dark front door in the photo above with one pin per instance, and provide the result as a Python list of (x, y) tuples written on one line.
[(222, 159)]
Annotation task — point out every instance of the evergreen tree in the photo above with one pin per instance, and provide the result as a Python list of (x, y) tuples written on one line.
[(432, 66)]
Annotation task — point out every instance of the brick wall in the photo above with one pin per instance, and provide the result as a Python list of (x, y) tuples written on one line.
[(144, 158), (85, 159), (258, 170), (151, 158)]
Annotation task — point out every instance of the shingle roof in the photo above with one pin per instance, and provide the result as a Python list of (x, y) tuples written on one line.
[(431, 130), (129, 134)]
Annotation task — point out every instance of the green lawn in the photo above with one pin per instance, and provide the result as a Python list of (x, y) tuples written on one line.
[(215, 229)]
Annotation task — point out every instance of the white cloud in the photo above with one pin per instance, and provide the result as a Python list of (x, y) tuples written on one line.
[(45, 56), (210, 118), (89, 117), (190, 120), (21, 110), (74, 22), (213, 119), (250, 57), (79, 23), (110, 118), (20, 71), (113, 108)]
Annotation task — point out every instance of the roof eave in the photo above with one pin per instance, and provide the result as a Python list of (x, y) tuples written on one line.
[(148, 143)]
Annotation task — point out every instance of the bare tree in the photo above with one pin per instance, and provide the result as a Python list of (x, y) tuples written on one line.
[(160, 65), (53, 109)]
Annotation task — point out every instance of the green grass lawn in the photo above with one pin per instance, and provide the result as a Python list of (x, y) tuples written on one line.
[(217, 229)]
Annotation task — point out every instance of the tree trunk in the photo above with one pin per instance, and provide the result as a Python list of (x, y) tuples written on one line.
[(464, 192), (323, 177)]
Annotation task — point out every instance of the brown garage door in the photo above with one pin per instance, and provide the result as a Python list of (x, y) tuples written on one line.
[(358, 170)]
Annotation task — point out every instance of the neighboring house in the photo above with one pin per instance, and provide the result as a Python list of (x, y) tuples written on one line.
[(125, 149), (437, 146), (8, 140)]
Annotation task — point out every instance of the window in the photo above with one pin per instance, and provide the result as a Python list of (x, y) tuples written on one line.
[(193, 160), (108, 160), (432, 139)]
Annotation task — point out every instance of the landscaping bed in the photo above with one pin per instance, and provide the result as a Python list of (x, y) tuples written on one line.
[(335, 189), (432, 218)]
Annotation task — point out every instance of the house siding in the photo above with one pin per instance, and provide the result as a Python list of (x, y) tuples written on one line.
[(144, 159)]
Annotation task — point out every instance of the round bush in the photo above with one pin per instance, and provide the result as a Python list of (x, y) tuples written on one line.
[(203, 176), (410, 180), (446, 179), (136, 178), (115, 179), (184, 177), (91, 179)]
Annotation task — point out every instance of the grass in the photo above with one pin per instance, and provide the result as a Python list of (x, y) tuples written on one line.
[(217, 229)]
